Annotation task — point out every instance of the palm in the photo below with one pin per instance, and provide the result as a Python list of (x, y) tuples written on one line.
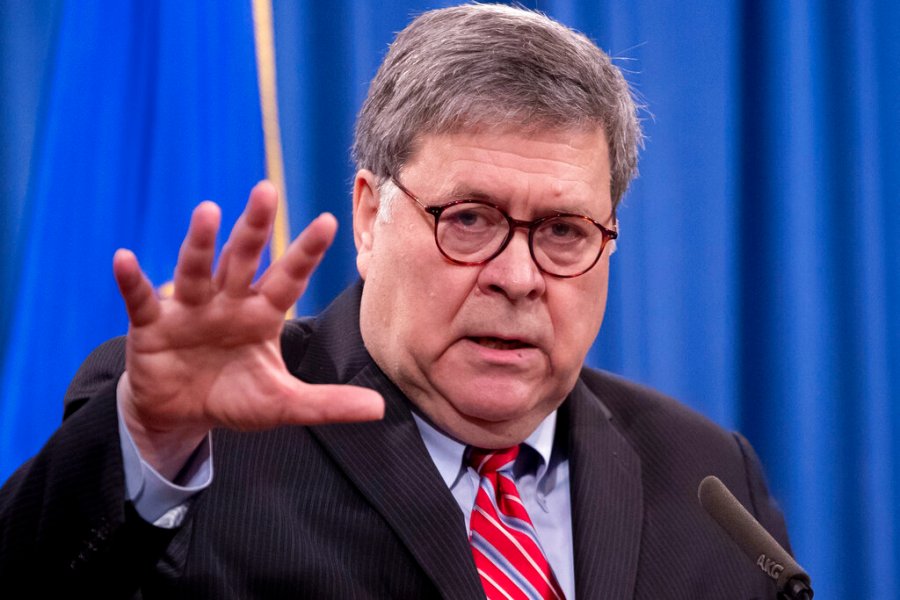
[(199, 365), (210, 355)]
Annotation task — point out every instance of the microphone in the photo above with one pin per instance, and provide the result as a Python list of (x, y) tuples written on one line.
[(757, 543)]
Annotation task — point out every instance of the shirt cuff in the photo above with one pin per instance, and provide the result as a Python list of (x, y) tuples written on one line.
[(156, 499)]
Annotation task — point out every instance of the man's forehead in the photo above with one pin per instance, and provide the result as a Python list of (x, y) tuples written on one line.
[(525, 131), (490, 163), (575, 145)]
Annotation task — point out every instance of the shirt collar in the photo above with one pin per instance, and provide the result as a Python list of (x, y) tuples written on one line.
[(447, 453)]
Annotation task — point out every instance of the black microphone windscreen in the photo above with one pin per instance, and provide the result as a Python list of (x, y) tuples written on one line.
[(746, 531)]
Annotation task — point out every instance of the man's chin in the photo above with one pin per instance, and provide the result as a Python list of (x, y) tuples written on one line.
[(491, 420)]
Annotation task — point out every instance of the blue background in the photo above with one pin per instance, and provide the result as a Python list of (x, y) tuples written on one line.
[(758, 272)]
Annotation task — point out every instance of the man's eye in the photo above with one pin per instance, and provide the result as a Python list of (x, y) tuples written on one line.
[(471, 218), (566, 231), (468, 219)]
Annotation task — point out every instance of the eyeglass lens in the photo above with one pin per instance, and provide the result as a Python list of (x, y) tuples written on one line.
[(472, 232)]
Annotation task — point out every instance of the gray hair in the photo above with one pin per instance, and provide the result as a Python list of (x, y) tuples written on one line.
[(488, 65)]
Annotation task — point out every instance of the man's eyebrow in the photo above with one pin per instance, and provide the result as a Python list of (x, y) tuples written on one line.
[(465, 191)]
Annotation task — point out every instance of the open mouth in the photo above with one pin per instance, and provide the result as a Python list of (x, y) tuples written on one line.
[(500, 343)]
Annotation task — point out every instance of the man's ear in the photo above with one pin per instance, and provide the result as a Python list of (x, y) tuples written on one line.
[(365, 214)]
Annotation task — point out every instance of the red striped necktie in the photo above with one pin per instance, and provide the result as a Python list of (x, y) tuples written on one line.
[(508, 556)]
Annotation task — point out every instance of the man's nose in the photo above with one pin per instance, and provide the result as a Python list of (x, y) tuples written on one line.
[(513, 272)]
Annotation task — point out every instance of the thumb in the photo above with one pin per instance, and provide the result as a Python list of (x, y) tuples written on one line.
[(322, 404)]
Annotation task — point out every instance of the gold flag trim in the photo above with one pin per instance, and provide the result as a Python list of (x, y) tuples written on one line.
[(264, 40)]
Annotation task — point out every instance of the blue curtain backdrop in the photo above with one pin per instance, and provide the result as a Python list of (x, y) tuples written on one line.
[(758, 277)]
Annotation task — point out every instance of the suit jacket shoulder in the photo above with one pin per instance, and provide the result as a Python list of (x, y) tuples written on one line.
[(673, 448), (669, 435)]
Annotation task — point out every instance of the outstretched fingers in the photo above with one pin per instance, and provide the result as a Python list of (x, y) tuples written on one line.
[(240, 258), (193, 273), (323, 404), (140, 299), (286, 279)]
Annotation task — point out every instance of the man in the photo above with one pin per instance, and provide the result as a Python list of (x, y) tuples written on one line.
[(432, 434)]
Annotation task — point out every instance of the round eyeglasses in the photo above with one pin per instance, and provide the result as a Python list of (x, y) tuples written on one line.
[(473, 232)]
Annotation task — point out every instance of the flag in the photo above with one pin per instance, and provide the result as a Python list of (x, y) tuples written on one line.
[(150, 108)]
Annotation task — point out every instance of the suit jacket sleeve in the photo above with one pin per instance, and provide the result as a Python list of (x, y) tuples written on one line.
[(64, 524)]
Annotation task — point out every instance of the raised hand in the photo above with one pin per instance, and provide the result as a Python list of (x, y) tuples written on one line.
[(210, 355)]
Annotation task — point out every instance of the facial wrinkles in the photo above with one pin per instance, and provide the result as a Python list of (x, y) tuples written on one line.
[(490, 311), (477, 314), (490, 317), (534, 194), (543, 194), (466, 304), (535, 151)]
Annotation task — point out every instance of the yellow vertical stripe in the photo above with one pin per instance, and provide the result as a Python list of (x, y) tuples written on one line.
[(264, 37)]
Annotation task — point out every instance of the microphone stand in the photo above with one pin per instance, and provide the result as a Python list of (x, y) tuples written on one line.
[(790, 579), (795, 589)]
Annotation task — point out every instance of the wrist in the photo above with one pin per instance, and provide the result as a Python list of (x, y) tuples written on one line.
[(167, 450)]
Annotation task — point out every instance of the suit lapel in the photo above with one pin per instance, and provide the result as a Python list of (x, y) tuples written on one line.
[(389, 464), (387, 460), (607, 505)]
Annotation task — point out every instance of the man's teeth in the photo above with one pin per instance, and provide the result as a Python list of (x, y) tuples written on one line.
[(498, 344)]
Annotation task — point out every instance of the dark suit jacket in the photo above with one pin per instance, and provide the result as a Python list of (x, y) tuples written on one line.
[(360, 511)]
